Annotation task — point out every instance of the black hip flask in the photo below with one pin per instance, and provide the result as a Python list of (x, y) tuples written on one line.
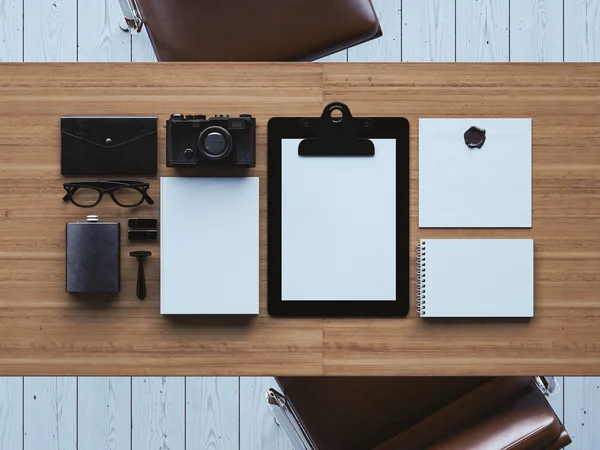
[(93, 256)]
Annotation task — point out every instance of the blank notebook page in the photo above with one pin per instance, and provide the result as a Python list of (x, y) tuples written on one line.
[(209, 245), (476, 278)]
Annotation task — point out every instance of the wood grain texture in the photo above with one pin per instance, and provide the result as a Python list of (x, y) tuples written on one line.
[(99, 37), (582, 403), (212, 413), (387, 47), (45, 331), (482, 30), (11, 412), (50, 413), (582, 30), (158, 413), (258, 429), (104, 413), (141, 47), (11, 30), (536, 30), (428, 32), (50, 30)]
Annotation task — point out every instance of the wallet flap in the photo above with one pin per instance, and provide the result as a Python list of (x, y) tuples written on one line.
[(108, 132), (108, 145)]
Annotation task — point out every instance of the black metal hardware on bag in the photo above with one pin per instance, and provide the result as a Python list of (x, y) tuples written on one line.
[(337, 136)]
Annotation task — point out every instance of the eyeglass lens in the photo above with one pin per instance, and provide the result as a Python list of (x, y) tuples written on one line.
[(128, 196), (85, 197)]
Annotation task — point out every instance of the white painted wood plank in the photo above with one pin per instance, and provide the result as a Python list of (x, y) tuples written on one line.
[(389, 46), (536, 30), (582, 30), (11, 30), (99, 36), (258, 429), (557, 400), (158, 413), (582, 412), (335, 57), (212, 413), (11, 412), (50, 30), (104, 413), (141, 47), (428, 30), (50, 413), (482, 30)]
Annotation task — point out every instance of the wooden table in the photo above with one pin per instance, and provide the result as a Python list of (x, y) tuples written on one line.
[(45, 331)]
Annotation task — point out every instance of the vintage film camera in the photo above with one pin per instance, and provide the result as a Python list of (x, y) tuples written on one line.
[(220, 140)]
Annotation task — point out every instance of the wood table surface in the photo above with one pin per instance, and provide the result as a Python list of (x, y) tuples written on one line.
[(46, 331)]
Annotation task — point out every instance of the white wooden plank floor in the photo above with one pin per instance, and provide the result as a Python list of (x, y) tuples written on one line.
[(104, 413), (227, 413)]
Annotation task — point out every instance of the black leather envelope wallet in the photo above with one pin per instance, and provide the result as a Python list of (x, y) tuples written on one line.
[(108, 145)]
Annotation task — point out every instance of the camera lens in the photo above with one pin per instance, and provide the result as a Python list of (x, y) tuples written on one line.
[(215, 143)]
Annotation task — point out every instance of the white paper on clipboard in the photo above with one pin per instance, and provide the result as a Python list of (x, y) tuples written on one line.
[(338, 225)]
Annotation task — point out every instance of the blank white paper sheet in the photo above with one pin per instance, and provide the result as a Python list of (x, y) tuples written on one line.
[(488, 187), (338, 225), (476, 278), (209, 255)]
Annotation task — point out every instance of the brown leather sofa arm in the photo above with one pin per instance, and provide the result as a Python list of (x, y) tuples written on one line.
[(358, 413), (509, 414), (563, 440), (267, 30)]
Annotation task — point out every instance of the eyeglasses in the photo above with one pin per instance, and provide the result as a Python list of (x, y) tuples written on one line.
[(125, 193)]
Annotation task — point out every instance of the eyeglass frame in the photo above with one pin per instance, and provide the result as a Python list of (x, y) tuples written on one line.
[(108, 187)]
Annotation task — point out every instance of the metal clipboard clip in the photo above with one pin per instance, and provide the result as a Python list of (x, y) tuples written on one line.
[(337, 134)]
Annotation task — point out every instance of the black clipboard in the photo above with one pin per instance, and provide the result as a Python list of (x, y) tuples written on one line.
[(331, 139)]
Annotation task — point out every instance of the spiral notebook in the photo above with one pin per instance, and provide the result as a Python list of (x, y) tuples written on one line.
[(475, 278)]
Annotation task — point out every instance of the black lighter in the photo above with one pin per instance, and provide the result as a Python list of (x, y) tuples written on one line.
[(93, 259)]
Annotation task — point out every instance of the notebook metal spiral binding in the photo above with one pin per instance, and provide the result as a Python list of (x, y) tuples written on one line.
[(421, 278)]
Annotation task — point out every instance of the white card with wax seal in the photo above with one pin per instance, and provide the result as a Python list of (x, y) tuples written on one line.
[(475, 173)]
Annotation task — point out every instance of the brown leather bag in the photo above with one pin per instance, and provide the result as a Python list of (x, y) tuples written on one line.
[(417, 413), (265, 30)]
